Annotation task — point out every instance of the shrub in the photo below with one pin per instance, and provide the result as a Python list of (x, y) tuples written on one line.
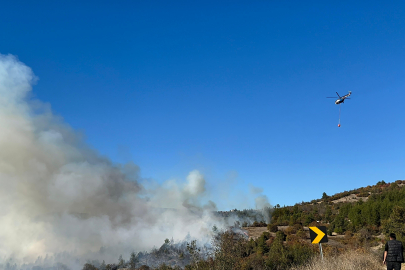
[(166, 267), (300, 253), (262, 246), (259, 224), (272, 227), (362, 194), (266, 235), (89, 266), (339, 230), (278, 255), (280, 235), (254, 262), (365, 234), (292, 238), (298, 227), (290, 230), (301, 234), (270, 240)]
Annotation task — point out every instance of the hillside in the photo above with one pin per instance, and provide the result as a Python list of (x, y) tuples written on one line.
[(371, 208), (357, 221), (360, 193)]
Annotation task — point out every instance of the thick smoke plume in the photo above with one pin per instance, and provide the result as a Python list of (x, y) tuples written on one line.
[(61, 198)]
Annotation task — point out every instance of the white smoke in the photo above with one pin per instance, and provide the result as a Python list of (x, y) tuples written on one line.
[(262, 202), (58, 196)]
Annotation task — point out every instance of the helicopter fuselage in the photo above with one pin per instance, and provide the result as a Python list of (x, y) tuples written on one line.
[(342, 99)]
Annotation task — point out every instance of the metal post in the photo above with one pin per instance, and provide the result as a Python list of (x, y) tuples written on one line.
[(320, 249)]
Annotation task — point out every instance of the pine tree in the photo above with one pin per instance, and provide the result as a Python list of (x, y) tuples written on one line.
[(133, 260), (102, 266), (121, 262)]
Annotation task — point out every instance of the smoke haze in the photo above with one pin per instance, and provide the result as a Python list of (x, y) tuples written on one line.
[(59, 197)]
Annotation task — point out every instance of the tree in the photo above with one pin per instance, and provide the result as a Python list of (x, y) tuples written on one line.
[(228, 250), (396, 223), (194, 251), (309, 218), (262, 247), (339, 223), (328, 214), (102, 266), (89, 266), (121, 262), (278, 254), (133, 260), (280, 235), (272, 227), (324, 196), (215, 229)]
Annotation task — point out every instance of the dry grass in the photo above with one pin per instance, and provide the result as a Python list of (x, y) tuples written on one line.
[(347, 261), (255, 232), (350, 198)]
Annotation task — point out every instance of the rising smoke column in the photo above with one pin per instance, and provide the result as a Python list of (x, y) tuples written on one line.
[(58, 196)]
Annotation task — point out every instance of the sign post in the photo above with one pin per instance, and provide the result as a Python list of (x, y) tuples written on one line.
[(318, 236), (320, 249)]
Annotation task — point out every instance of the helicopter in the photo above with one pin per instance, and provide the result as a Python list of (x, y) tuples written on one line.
[(341, 99)]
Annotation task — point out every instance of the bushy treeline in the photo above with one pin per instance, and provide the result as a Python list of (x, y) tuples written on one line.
[(359, 192), (173, 254), (235, 252), (247, 217), (266, 252), (381, 213)]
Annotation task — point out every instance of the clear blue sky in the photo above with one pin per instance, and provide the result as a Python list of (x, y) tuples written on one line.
[(226, 86)]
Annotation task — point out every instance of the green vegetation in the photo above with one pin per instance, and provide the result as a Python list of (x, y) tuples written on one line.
[(383, 211), (232, 251), (266, 252), (365, 219)]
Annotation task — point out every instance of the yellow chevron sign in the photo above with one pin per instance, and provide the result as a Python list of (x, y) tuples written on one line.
[(318, 234)]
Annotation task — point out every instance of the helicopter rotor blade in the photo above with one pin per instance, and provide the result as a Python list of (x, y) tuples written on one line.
[(338, 94)]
